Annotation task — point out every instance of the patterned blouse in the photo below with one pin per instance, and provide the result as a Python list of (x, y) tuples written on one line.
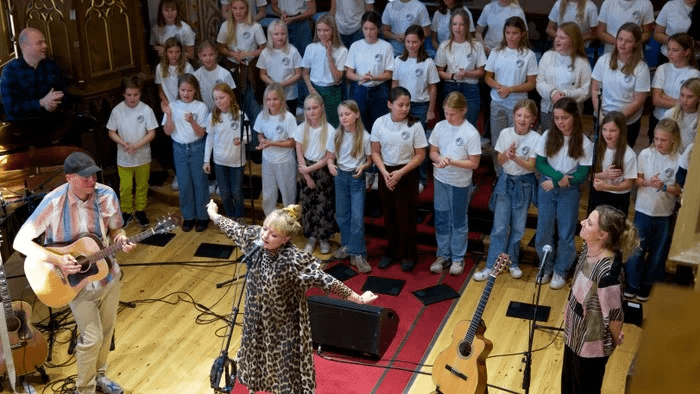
[(276, 353), (594, 301)]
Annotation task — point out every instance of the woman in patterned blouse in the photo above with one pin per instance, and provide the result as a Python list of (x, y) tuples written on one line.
[(594, 317)]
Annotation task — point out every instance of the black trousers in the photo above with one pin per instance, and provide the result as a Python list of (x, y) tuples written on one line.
[(581, 375), (400, 216)]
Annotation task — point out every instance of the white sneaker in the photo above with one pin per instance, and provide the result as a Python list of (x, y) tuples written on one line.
[(545, 278), (324, 246), (369, 180), (438, 265), (482, 275), (515, 272), (360, 263), (420, 188), (557, 282), (375, 182), (457, 267), (310, 244), (212, 187), (174, 185), (341, 253)]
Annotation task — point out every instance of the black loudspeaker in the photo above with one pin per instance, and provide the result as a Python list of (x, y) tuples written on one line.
[(342, 324)]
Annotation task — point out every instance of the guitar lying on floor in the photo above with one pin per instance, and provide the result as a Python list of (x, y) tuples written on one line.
[(56, 289), (461, 368)]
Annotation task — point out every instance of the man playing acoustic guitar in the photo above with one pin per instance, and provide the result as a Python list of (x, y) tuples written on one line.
[(82, 206)]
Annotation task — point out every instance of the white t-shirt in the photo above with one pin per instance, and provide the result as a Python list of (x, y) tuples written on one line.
[(688, 125), (348, 15), (669, 79), (169, 83), (132, 124), (280, 66), (344, 158), (685, 158), (315, 148), (457, 143), (462, 56), (220, 138), (373, 58), (651, 201), (184, 33), (416, 77), (276, 128), (587, 22), (183, 133), (557, 73), (208, 79), (253, 4), (615, 13), (618, 88), (316, 60), (561, 161), (675, 17), (511, 67), (399, 15), (398, 139), (494, 17), (441, 24), (629, 167), (524, 148), (248, 37), (292, 7)]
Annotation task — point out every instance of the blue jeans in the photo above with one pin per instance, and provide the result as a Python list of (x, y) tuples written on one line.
[(451, 223), (300, 35), (350, 211), (501, 117), (509, 220), (230, 180), (192, 180), (348, 39), (647, 263), (558, 205), (471, 93), (371, 101)]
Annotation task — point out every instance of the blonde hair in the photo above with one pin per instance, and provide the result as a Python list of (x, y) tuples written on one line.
[(285, 220), (671, 127), (358, 136), (622, 234), (693, 84), (231, 37), (528, 104), (455, 100), (165, 64), (271, 30), (467, 27), (323, 122), (279, 91), (580, 10), (328, 20)]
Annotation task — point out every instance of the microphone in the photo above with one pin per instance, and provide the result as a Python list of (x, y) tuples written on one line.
[(547, 249), (254, 249)]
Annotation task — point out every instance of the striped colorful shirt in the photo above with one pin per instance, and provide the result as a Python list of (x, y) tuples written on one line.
[(594, 301), (63, 218)]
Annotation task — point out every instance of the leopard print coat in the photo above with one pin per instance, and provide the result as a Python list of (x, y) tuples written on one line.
[(276, 352)]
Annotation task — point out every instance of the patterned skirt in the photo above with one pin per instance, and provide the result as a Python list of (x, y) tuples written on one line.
[(318, 211)]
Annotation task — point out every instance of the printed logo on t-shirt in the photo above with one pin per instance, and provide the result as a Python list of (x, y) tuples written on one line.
[(519, 63), (279, 129), (419, 72), (140, 119), (669, 173), (286, 61), (459, 142), (234, 125), (636, 15), (405, 135), (378, 58), (470, 56), (246, 35), (628, 79), (570, 68), (524, 150), (410, 18)]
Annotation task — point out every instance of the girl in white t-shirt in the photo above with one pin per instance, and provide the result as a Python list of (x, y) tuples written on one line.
[(348, 155), (615, 168), (460, 61), (225, 144), (493, 19), (323, 65), (185, 122), (669, 77), (169, 23), (615, 13), (275, 126), (211, 73), (398, 16), (656, 200), (441, 28), (687, 111), (398, 148), (583, 13), (455, 150), (511, 72), (280, 62), (624, 77), (172, 65), (673, 18), (515, 189), (564, 157), (316, 184)]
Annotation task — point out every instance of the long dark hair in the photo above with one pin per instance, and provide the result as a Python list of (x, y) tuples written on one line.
[(422, 54), (397, 92), (620, 121), (555, 138)]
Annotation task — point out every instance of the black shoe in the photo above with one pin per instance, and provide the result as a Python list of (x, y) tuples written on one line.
[(201, 225), (384, 262), (407, 265), (187, 225), (141, 218), (126, 218)]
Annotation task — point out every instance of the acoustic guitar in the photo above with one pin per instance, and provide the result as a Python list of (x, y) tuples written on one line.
[(56, 289), (28, 345), (461, 368)]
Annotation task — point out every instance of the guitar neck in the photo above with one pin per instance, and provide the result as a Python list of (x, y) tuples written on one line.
[(4, 290), (110, 250), (474, 325)]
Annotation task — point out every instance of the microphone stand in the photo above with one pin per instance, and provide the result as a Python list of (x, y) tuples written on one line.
[(223, 365), (243, 91), (533, 325), (596, 132)]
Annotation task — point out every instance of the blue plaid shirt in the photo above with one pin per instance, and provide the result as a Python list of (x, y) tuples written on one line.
[(22, 86)]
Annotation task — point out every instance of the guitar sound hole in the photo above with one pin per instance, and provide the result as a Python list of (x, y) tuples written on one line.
[(465, 349), (13, 324)]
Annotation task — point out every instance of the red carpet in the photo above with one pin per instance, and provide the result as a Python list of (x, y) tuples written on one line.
[(417, 327)]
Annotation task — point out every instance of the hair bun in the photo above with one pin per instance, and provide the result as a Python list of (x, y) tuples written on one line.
[(293, 210)]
